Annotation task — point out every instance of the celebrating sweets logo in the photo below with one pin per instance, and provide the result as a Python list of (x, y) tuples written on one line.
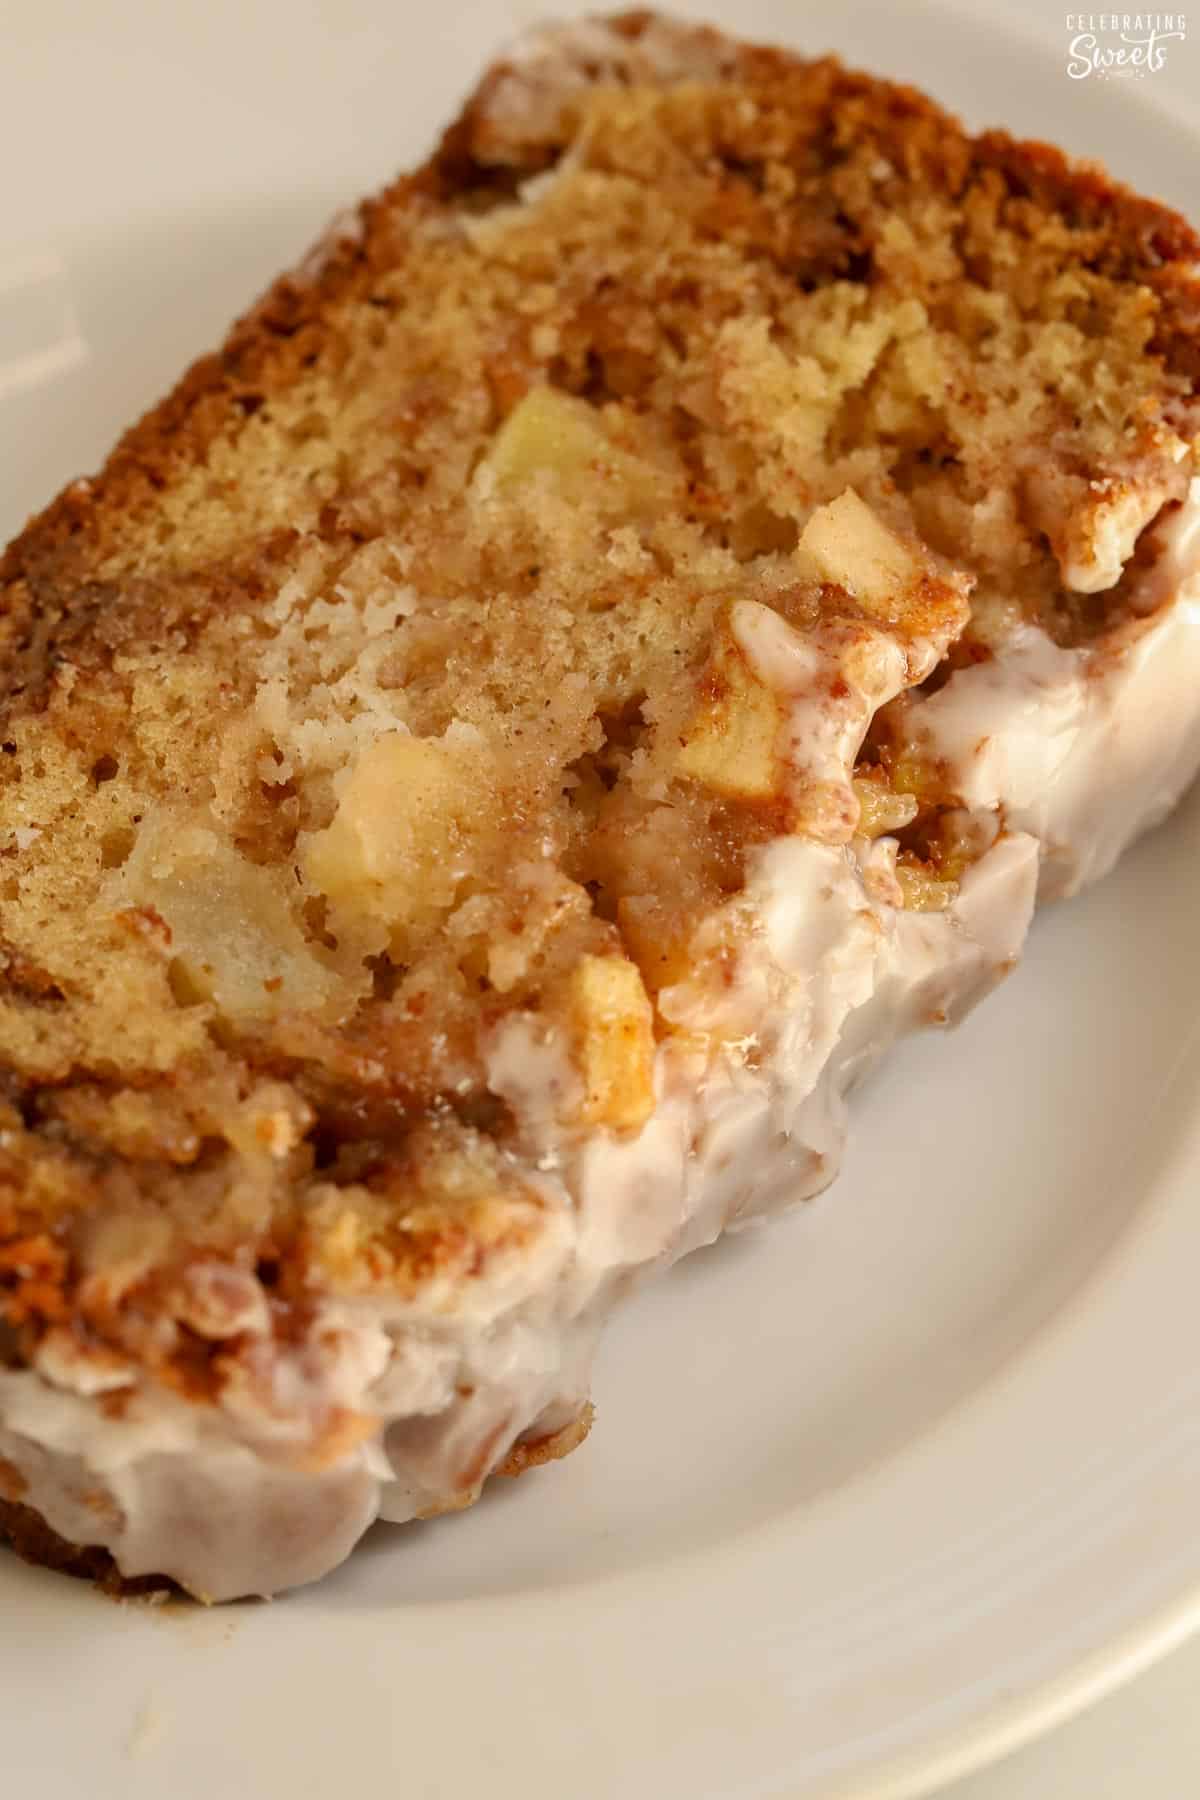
[(1117, 46)]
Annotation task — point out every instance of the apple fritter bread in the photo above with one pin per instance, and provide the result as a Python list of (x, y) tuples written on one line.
[(608, 644)]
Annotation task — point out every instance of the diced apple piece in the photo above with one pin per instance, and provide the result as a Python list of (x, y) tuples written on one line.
[(923, 891), (546, 430), (557, 434), (613, 1026), (657, 937), (388, 855), (230, 933), (857, 551), (912, 773), (730, 741), (881, 811)]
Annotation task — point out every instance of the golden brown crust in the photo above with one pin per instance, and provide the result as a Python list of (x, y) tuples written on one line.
[(533, 1453), (1136, 239), (27, 1533)]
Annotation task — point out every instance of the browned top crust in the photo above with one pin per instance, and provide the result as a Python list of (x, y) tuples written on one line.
[(1032, 188), (963, 308)]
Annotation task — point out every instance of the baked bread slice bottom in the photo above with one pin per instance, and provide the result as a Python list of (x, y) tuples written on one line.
[(609, 645)]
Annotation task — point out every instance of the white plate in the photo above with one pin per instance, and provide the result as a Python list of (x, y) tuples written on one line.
[(872, 1493)]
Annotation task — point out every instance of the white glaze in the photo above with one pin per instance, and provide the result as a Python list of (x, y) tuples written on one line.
[(1084, 748), (833, 680)]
